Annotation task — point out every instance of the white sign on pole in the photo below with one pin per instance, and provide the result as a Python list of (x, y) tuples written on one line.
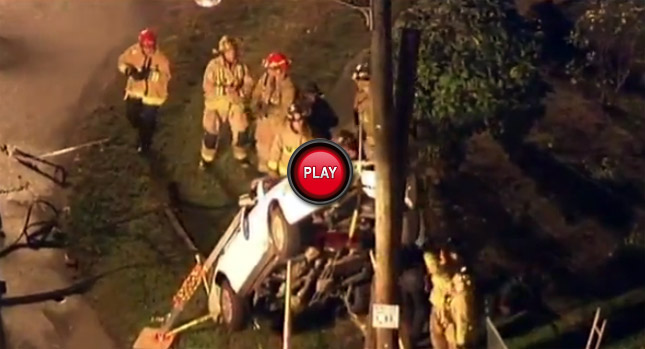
[(385, 316)]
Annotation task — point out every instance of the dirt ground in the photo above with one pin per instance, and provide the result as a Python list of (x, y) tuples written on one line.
[(57, 59)]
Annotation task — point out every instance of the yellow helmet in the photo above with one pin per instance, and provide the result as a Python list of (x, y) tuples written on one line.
[(226, 43), (431, 260)]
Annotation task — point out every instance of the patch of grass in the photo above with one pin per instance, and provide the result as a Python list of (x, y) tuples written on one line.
[(636, 341), (116, 183), (579, 321)]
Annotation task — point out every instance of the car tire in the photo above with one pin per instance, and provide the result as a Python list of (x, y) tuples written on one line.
[(359, 299), (411, 227), (232, 308), (286, 237)]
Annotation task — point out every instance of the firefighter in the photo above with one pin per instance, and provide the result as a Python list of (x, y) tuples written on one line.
[(148, 72), (322, 118), (292, 134), (272, 96), (363, 117), (348, 141), (441, 286), (460, 331), (414, 299), (227, 84)]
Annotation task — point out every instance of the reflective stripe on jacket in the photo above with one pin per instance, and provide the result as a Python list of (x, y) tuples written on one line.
[(274, 97), (153, 90), (221, 76)]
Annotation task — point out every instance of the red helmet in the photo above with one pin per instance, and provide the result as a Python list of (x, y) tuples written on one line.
[(276, 60), (147, 38)]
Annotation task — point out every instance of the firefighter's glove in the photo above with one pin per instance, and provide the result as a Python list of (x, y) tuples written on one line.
[(130, 70), (137, 74)]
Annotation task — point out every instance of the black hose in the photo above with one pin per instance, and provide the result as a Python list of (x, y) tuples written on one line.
[(30, 244), (58, 294), (37, 239)]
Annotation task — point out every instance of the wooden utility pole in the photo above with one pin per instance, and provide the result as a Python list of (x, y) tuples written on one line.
[(388, 225)]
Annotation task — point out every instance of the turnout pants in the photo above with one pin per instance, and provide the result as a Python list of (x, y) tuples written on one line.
[(265, 131), (220, 111), (368, 144), (143, 118), (438, 331)]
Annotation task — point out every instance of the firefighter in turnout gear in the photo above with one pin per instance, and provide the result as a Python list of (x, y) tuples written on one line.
[(322, 118), (148, 72), (291, 135), (441, 287), (363, 117), (227, 85), (460, 331), (272, 96)]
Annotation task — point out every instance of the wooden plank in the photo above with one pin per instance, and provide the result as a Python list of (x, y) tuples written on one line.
[(286, 331), (187, 290)]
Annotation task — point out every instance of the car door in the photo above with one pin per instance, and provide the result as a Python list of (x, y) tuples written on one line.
[(242, 254)]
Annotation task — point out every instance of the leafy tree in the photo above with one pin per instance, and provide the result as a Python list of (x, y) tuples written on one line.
[(477, 61), (611, 33)]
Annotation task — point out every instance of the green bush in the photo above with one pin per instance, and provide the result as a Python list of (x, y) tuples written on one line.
[(477, 61), (611, 33)]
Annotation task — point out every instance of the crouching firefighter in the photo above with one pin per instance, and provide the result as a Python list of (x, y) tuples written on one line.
[(273, 95), (293, 133), (226, 85), (148, 72)]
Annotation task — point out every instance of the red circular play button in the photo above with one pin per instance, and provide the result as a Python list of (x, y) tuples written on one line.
[(320, 171)]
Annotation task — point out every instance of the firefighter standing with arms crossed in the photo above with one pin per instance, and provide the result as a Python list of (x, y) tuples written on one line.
[(363, 116), (272, 96), (460, 332), (148, 72), (441, 285), (452, 318), (227, 84), (293, 133)]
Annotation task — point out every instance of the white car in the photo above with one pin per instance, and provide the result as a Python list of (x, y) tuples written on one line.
[(266, 230)]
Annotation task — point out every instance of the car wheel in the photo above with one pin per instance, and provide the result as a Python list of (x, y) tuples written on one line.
[(359, 299), (286, 237), (411, 227), (232, 308)]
